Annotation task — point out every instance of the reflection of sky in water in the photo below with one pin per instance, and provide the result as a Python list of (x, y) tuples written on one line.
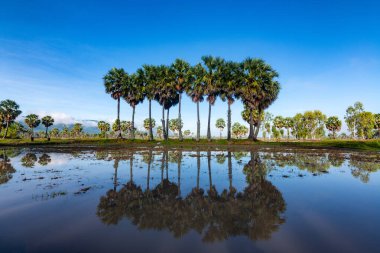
[(53, 206)]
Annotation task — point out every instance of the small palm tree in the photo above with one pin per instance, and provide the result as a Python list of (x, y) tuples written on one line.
[(54, 132), (104, 127), (175, 125), (47, 121), (220, 124), (77, 129), (9, 111), (115, 83), (149, 124), (334, 125), (159, 131), (32, 121), (125, 126), (65, 132), (187, 133)]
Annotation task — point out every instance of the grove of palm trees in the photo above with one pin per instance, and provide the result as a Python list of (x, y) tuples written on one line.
[(252, 82)]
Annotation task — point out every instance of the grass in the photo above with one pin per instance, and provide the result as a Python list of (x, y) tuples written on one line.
[(370, 145)]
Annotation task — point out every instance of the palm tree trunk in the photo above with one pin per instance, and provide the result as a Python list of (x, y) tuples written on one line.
[(118, 118), (258, 127), (133, 123), (32, 135), (115, 176), (150, 121), (162, 167), (198, 123), (163, 123), (250, 136), (131, 168), (149, 163), (167, 163), (230, 169), (209, 123), (198, 167), (179, 117), (6, 130), (229, 122), (179, 173), (167, 124), (209, 169)]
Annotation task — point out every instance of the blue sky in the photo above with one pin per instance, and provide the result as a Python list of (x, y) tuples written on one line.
[(53, 54)]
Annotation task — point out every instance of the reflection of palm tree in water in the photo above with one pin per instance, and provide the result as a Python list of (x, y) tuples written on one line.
[(44, 159), (6, 168), (256, 212), (29, 160)]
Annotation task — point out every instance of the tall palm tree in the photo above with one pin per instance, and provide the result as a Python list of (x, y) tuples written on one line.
[(146, 78), (32, 121), (133, 94), (47, 121), (259, 89), (195, 90), (181, 71), (167, 95), (9, 111), (115, 81), (229, 83), (213, 66)]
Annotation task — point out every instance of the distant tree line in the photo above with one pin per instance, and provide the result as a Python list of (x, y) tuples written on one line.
[(312, 125)]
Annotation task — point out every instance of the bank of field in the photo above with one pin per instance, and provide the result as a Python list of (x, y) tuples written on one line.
[(372, 145)]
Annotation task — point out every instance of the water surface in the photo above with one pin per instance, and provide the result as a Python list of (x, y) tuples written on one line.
[(156, 200)]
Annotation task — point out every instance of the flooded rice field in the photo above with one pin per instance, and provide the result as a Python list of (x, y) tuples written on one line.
[(157, 200)]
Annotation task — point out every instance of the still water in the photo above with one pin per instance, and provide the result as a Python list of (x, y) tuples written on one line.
[(157, 200)]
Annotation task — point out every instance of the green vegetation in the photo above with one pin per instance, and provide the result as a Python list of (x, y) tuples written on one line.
[(32, 121), (251, 81), (220, 124), (373, 145), (9, 111), (47, 121)]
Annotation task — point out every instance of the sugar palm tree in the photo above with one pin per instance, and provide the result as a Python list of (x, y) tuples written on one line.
[(195, 90), (133, 94), (249, 115), (47, 121), (32, 121), (334, 125), (104, 127), (146, 79), (167, 95), (220, 124), (115, 83), (259, 89), (270, 89), (157, 76), (149, 124), (229, 83), (213, 66), (9, 111), (181, 72)]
